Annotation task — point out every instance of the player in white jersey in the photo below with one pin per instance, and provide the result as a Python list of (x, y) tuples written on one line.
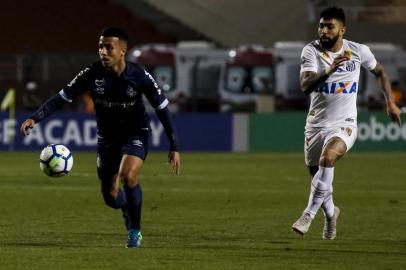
[(330, 69)]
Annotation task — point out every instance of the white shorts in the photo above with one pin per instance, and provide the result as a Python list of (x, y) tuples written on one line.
[(316, 139)]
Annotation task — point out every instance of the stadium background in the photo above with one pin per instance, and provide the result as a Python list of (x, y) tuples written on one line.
[(195, 41)]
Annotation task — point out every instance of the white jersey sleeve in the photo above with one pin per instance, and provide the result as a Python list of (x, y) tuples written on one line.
[(368, 60), (308, 59)]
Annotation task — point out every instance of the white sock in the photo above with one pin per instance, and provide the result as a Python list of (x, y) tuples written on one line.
[(320, 186), (328, 204)]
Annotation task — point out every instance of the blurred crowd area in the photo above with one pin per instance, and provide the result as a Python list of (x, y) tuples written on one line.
[(37, 77), (200, 77), (213, 73)]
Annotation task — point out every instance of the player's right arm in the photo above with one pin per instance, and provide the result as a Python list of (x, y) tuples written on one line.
[(44, 111), (67, 94), (310, 78)]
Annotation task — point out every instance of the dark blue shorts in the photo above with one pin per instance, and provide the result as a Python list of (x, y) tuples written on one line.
[(110, 152)]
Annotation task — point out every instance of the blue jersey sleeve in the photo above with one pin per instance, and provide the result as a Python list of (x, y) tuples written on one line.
[(167, 122), (160, 102), (79, 84), (152, 92), (50, 106)]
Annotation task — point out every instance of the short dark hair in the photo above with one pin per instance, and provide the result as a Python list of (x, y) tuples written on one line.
[(113, 31), (333, 13)]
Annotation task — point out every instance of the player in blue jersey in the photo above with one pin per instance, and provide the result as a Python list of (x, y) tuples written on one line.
[(123, 126)]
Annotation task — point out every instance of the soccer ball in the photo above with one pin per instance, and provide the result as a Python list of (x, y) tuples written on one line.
[(56, 160)]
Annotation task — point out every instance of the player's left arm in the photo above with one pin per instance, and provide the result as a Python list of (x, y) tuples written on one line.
[(391, 108), (174, 156), (160, 103)]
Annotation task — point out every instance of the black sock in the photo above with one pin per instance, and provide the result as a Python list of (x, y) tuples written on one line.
[(121, 199), (134, 203)]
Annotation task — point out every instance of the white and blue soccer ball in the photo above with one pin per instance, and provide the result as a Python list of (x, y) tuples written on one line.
[(56, 160)]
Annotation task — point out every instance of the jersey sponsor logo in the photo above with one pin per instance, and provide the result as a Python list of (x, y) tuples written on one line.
[(99, 90), (109, 104), (339, 88), (77, 76)]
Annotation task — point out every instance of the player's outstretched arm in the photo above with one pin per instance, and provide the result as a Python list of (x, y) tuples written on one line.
[(44, 111), (391, 108), (26, 126), (311, 81)]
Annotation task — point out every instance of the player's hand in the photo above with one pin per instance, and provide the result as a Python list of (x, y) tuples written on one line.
[(338, 61), (26, 126), (174, 160), (394, 112)]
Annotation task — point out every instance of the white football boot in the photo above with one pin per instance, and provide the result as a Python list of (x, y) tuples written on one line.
[(302, 225), (330, 225)]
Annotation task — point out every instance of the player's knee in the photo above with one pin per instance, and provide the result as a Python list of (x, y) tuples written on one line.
[(328, 159), (130, 178)]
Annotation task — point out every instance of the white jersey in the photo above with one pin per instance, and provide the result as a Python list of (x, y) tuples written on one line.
[(336, 100)]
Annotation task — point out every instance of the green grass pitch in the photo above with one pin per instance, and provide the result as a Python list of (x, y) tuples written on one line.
[(225, 211)]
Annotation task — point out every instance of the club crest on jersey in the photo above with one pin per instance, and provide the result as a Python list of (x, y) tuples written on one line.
[(350, 66), (349, 131), (99, 82), (131, 92), (339, 88)]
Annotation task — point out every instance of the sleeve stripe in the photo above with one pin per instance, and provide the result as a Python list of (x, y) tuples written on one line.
[(372, 66), (64, 96), (162, 105)]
